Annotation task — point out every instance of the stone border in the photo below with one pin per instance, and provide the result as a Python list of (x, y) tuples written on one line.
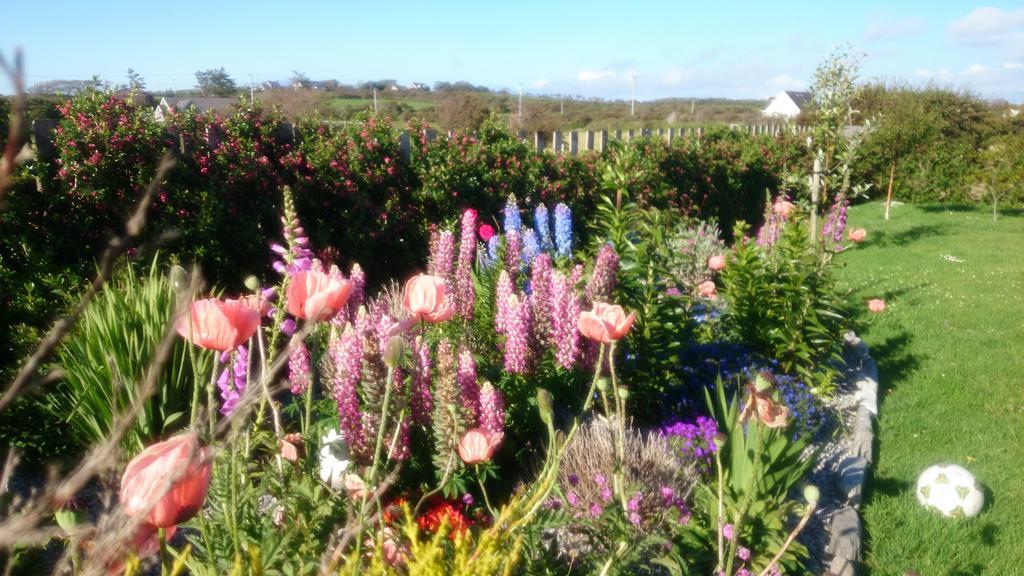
[(845, 529)]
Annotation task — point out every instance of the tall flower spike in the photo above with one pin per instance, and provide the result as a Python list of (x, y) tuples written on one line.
[(470, 392), (492, 251), (563, 231), (542, 224), (602, 279), (421, 403), (442, 257), (540, 298), (492, 409), (504, 293), (564, 310), (512, 220), (464, 296), (447, 424), (518, 330), (355, 300), (346, 355), (300, 376), (531, 247), (232, 382), (513, 252)]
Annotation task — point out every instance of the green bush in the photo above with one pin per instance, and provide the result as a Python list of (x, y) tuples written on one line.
[(108, 354)]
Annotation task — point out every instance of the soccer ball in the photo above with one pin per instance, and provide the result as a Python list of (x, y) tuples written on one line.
[(949, 490)]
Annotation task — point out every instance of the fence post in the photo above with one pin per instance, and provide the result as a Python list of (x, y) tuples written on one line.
[(602, 140), (588, 140), (43, 132), (556, 142), (404, 144), (431, 135), (574, 142), (539, 141), (670, 135)]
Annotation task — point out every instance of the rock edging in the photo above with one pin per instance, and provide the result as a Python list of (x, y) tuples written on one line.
[(846, 529)]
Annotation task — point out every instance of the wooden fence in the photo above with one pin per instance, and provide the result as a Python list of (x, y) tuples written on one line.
[(569, 142)]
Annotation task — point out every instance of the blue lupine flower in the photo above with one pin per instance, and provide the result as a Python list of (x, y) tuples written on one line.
[(531, 247), (543, 227), (563, 230), (512, 219), (492, 249)]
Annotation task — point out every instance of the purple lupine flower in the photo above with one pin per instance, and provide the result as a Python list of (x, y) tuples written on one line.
[(355, 300), (442, 257), (563, 231), (464, 295), (518, 329), (296, 256), (346, 353), (743, 553), (300, 375), (531, 246), (543, 226), (513, 252), (421, 403), (233, 380), (835, 221), (540, 298), (492, 409), (469, 391), (504, 293), (512, 221), (564, 310), (602, 279)]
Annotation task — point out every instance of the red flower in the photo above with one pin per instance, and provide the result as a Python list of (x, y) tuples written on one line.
[(219, 324), (315, 295), (486, 232), (167, 482), (444, 513), (605, 323)]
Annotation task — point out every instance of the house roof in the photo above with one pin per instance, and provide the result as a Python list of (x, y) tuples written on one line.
[(801, 99)]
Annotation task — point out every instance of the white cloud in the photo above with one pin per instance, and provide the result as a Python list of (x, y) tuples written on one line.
[(540, 83), (885, 29), (1010, 65), (785, 81), (976, 70), (593, 75), (987, 24), (675, 77)]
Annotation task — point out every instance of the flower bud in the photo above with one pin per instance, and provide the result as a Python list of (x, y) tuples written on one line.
[(602, 384), (720, 440), (811, 493), (763, 381), (252, 283), (179, 279), (70, 515), (544, 405), (623, 392), (394, 352)]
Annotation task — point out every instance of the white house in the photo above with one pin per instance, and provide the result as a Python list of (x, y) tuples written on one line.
[(788, 104), (201, 104)]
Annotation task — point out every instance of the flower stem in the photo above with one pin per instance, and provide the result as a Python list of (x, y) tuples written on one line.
[(597, 376), (721, 506), (211, 397), (483, 491), (380, 428)]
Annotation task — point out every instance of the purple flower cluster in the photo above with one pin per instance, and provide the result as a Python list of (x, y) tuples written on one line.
[(835, 221), (442, 256), (694, 440), (297, 257), (300, 374), (602, 279), (346, 353), (233, 380), (464, 296), (492, 409)]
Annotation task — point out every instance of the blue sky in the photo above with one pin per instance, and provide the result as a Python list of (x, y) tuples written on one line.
[(677, 48)]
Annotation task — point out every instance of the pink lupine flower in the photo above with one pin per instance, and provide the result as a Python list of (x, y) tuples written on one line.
[(564, 310), (518, 328), (442, 256), (300, 376), (346, 352), (469, 391), (504, 293), (464, 296), (540, 297), (492, 409), (513, 252), (602, 279), (355, 300)]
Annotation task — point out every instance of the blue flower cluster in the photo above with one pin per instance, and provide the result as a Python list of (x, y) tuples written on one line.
[(563, 230), (512, 219), (701, 365), (531, 247), (543, 226)]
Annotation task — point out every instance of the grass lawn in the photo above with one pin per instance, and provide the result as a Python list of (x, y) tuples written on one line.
[(950, 351), (342, 104)]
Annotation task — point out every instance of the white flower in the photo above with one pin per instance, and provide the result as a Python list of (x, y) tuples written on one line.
[(334, 460)]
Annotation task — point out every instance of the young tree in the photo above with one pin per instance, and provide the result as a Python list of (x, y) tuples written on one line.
[(135, 81), (834, 92), (904, 125), (215, 82), (1001, 170)]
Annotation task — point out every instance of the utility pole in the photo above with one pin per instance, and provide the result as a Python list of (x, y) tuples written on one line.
[(632, 104), (374, 99), (561, 104), (520, 101), (252, 96)]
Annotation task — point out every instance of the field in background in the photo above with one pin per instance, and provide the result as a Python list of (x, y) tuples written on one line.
[(950, 350)]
